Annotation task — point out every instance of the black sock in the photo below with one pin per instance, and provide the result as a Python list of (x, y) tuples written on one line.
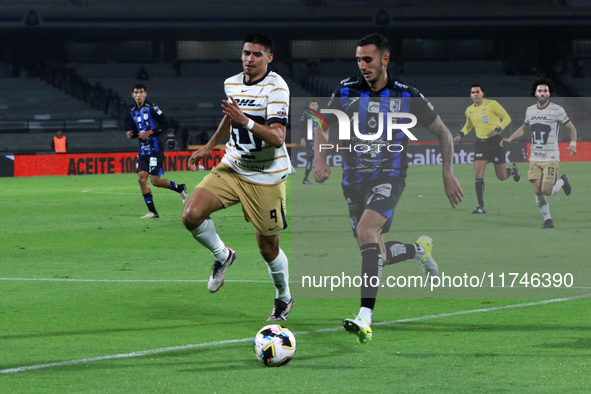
[(308, 167), (479, 183), (368, 302), (511, 171), (371, 267), (177, 188), (150, 202), (397, 252)]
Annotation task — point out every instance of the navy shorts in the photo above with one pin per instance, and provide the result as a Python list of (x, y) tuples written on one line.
[(151, 164), (381, 196)]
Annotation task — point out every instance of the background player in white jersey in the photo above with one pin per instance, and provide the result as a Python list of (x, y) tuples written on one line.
[(253, 171), (544, 120)]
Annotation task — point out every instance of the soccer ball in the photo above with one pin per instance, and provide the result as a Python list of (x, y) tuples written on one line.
[(274, 345)]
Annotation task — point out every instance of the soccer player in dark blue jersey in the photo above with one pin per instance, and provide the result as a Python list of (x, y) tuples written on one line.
[(147, 122), (374, 171), (309, 143)]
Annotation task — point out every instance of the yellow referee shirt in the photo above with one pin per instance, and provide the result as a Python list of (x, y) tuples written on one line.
[(484, 118)]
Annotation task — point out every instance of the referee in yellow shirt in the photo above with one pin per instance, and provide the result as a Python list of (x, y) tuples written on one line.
[(488, 119)]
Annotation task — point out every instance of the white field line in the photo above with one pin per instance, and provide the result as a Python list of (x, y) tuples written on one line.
[(231, 341)]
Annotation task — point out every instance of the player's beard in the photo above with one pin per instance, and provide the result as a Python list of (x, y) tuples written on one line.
[(377, 74), (542, 101), (251, 72)]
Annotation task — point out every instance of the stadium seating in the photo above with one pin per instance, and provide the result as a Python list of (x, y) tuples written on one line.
[(31, 98), (194, 98), (79, 142)]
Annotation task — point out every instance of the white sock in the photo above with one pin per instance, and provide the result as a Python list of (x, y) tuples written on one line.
[(543, 206), (365, 314), (557, 186), (279, 272), (419, 251), (207, 236)]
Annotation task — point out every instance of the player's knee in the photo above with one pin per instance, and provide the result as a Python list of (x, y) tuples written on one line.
[(366, 235), (191, 217)]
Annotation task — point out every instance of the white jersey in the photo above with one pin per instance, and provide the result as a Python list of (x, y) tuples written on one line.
[(545, 126), (265, 101)]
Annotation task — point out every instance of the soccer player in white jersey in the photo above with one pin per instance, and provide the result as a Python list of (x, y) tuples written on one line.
[(253, 171), (545, 119)]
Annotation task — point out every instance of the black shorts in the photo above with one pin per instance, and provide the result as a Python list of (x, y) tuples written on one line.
[(381, 195), (151, 164), (490, 150)]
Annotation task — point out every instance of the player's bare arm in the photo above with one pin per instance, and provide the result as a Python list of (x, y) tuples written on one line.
[(274, 133), (518, 133), (321, 170), (453, 190), (222, 132), (130, 134), (573, 138)]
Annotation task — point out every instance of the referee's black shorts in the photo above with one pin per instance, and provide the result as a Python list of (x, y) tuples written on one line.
[(490, 150)]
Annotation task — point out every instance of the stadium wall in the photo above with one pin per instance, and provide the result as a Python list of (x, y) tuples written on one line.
[(424, 153), (92, 164), (124, 163)]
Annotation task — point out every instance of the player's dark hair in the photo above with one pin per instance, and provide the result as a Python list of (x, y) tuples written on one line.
[(139, 86), (378, 40), (541, 81), (477, 86), (260, 39)]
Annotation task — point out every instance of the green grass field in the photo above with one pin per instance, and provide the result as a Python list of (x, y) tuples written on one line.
[(95, 300)]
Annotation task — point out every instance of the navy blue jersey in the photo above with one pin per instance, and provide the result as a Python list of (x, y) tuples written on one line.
[(304, 119), (374, 160), (148, 117)]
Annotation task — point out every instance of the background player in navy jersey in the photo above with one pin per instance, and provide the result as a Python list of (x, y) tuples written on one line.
[(148, 123), (309, 144), (373, 180)]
